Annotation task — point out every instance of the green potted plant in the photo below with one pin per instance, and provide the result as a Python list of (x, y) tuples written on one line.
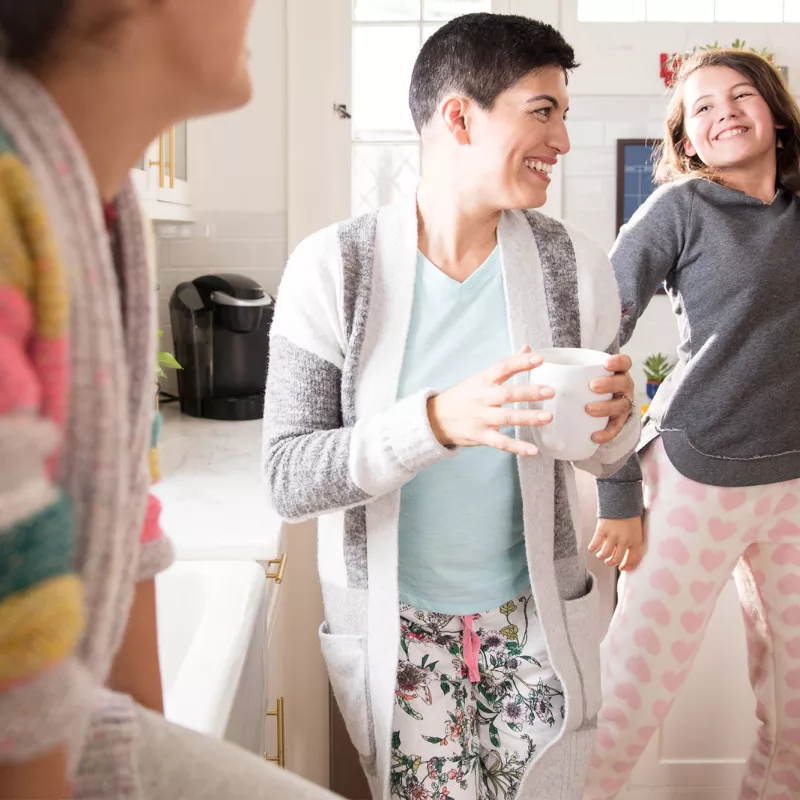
[(165, 361), (656, 369)]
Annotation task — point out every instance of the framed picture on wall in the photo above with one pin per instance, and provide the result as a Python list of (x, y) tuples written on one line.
[(636, 160), (635, 182)]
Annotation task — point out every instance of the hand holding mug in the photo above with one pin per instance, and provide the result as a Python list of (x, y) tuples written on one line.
[(472, 413)]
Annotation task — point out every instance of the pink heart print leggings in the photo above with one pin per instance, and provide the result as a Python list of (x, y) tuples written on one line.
[(696, 536)]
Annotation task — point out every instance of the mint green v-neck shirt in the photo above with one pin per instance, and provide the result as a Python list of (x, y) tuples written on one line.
[(461, 542)]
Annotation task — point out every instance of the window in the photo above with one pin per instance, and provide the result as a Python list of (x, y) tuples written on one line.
[(680, 11), (387, 36), (611, 10), (761, 11), (749, 11)]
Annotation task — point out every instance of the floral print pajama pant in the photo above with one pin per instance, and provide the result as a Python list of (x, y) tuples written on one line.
[(696, 536), (476, 700)]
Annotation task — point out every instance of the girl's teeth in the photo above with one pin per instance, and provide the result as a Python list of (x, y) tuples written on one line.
[(729, 134)]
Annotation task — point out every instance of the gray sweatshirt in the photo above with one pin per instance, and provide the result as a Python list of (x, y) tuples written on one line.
[(731, 265)]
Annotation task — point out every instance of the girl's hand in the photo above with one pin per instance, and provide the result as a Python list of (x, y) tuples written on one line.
[(472, 413), (619, 542)]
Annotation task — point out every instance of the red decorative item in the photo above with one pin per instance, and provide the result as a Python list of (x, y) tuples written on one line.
[(670, 63)]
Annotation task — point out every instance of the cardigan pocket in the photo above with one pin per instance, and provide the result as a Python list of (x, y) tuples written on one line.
[(346, 659), (583, 624)]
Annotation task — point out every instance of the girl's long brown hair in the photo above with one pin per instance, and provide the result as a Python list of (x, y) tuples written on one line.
[(674, 162)]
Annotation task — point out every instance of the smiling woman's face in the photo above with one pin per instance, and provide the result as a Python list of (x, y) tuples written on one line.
[(728, 123), (515, 145)]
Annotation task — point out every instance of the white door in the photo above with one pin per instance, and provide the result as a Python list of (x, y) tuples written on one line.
[(352, 144), (701, 748)]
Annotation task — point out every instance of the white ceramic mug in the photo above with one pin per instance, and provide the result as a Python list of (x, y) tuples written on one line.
[(569, 371)]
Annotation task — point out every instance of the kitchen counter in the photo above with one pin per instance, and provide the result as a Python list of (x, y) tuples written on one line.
[(214, 503)]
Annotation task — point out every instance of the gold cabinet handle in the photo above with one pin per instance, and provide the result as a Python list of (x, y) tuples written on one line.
[(279, 759), (161, 163), (277, 574), (172, 157), (162, 159)]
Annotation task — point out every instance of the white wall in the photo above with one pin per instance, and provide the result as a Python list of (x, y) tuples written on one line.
[(624, 58)]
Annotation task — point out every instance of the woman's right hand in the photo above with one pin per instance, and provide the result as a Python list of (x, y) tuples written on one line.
[(471, 414)]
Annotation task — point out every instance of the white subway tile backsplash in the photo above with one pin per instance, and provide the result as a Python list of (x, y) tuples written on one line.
[(657, 109), (269, 253), (211, 253), (582, 193), (608, 107), (589, 161), (174, 230), (586, 133), (620, 130), (248, 226)]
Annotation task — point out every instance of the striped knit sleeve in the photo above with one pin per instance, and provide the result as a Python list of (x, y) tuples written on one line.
[(44, 692), (156, 552)]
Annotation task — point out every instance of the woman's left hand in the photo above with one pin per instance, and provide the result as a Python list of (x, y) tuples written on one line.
[(620, 407)]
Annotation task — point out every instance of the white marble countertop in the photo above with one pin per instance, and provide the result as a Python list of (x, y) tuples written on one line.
[(214, 503)]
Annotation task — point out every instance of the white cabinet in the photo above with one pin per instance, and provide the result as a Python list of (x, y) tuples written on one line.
[(296, 680), (161, 177)]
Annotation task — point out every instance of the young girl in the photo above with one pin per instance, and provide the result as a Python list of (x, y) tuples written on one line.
[(388, 411), (723, 454), (84, 86)]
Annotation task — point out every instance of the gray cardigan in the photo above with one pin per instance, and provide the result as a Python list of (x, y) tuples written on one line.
[(338, 444), (727, 413)]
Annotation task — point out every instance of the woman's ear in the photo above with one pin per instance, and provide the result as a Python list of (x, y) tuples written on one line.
[(454, 115), (689, 148)]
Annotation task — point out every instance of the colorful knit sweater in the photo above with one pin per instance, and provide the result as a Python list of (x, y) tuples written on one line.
[(78, 526)]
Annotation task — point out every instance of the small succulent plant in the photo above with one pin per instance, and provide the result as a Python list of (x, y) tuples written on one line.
[(656, 368)]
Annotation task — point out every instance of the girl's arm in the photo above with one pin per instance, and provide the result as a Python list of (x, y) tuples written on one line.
[(647, 250)]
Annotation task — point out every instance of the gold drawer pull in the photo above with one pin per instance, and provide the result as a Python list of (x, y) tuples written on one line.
[(280, 759), (280, 563)]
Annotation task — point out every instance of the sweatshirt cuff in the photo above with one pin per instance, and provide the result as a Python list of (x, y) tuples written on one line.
[(154, 557), (619, 500), (50, 710), (155, 549)]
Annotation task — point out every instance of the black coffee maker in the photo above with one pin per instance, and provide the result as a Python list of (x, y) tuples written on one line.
[(221, 324)]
